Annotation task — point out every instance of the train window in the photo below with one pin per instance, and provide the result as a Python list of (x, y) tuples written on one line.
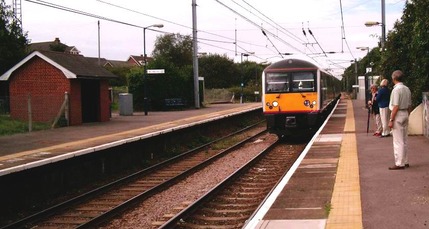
[(277, 82), (303, 81)]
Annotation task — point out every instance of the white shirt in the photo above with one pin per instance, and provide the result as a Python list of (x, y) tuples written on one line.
[(400, 96)]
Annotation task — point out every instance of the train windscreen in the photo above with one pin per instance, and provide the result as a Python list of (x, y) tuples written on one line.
[(290, 82), (277, 82)]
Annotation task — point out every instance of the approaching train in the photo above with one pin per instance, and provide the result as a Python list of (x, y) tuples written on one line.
[(297, 97)]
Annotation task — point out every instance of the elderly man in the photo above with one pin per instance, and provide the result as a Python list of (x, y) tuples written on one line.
[(400, 106)]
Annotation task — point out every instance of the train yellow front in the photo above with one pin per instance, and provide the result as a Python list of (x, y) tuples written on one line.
[(297, 96)]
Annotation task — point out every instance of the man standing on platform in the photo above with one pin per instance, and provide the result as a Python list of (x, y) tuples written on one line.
[(400, 106)]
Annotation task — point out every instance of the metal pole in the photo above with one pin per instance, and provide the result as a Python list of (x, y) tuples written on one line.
[(195, 54), (145, 102), (241, 79), (356, 79), (99, 55)]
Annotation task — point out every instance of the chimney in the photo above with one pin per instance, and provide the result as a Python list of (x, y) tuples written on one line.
[(57, 40)]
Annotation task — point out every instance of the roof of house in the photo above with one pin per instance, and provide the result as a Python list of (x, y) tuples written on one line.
[(73, 66), (139, 60), (51, 46), (118, 63)]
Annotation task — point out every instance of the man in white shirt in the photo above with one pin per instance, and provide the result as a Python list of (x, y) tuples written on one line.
[(400, 106)]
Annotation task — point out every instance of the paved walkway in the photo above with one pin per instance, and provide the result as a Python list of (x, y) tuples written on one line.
[(391, 198), (388, 198), (28, 150)]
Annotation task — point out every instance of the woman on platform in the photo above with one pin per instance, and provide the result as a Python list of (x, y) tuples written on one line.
[(375, 110), (383, 98)]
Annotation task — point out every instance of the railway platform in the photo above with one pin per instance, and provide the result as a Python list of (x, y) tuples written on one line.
[(344, 173), (365, 193), (28, 150)]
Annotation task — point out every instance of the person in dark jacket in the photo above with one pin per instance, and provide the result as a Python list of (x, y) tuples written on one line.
[(372, 103), (383, 98)]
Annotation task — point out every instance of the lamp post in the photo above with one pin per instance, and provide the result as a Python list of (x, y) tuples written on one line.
[(242, 77), (382, 23), (365, 76), (145, 99)]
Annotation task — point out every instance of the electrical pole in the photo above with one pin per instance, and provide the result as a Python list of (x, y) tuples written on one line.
[(195, 54)]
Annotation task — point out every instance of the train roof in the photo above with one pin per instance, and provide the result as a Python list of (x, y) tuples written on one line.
[(292, 64)]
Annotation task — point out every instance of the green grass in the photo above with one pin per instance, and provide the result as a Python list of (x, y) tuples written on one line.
[(9, 126)]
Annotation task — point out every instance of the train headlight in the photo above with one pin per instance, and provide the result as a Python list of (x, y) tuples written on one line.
[(307, 103), (314, 102), (275, 104)]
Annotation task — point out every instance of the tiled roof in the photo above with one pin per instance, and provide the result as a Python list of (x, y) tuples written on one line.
[(50, 45), (82, 66), (73, 66)]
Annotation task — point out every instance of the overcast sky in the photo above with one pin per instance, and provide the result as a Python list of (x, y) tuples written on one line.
[(218, 22)]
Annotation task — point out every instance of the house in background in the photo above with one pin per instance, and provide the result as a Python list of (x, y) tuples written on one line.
[(45, 77), (138, 60), (55, 46)]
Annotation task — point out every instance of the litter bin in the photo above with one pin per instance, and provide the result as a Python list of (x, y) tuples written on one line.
[(125, 104)]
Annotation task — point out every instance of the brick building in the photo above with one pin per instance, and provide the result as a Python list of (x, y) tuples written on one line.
[(44, 77)]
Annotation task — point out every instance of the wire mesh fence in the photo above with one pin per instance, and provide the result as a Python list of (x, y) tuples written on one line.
[(35, 108)]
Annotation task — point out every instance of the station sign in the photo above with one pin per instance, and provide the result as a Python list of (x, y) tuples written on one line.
[(156, 71)]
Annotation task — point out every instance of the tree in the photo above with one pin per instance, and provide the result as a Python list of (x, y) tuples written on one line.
[(13, 42), (173, 53), (407, 48), (175, 48), (218, 71)]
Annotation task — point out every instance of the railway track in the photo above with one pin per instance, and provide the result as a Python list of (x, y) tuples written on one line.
[(101, 204), (233, 201)]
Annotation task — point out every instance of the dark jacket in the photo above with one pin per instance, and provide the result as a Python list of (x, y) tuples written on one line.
[(383, 97), (374, 107)]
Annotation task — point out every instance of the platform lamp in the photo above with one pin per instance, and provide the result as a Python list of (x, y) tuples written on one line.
[(382, 24), (365, 76), (242, 83), (145, 99)]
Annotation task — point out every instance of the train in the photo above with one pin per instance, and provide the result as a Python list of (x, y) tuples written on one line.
[(297, 96)]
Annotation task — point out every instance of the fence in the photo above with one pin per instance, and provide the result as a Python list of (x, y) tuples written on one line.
[(36, 108)]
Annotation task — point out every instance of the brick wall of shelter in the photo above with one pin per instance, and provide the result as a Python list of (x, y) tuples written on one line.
[(104, 101), (46, 86), (75, 101)]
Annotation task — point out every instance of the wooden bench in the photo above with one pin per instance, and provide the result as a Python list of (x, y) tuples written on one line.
[(174, 103)]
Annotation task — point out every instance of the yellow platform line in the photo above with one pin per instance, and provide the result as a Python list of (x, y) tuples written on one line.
[(346, 211)]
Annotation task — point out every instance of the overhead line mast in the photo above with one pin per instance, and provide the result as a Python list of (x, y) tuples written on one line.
[(17, 10)]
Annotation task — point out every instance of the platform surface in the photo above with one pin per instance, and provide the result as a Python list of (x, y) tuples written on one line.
[(365, 194)]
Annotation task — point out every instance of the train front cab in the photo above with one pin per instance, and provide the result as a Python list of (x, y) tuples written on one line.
[(297, 97)]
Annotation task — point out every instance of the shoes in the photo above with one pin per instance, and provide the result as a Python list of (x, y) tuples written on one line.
[(396, 167), (407, 165), (384, 136)]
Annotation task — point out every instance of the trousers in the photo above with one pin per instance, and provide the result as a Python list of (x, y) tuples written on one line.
[(400, 138), (385, 115)]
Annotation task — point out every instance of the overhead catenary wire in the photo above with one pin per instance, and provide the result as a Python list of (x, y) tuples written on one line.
[(225, 40), (265, 34), (317, 42), (184, 26), (343, 32), (270, 21), (257, 25), (80, 12)]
